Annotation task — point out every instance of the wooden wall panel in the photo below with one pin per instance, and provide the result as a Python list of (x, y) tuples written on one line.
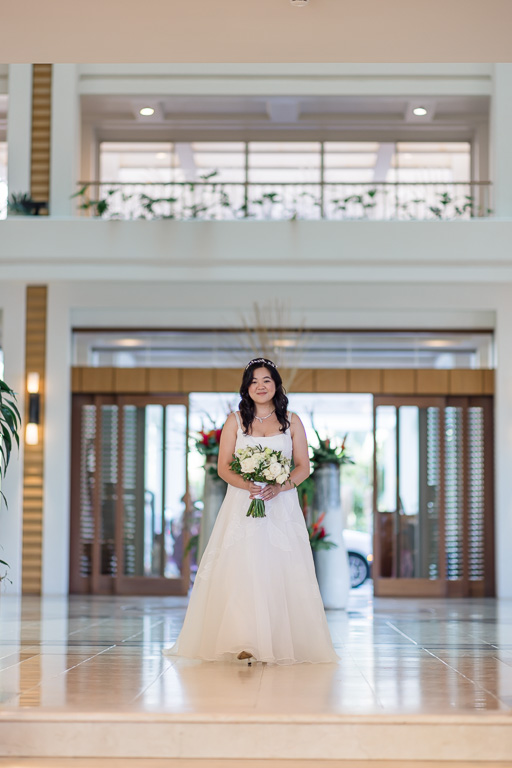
[(131, 380), (33, 465), (387, 381), (365, 380), (330, 380), (400, 381), (227, 379), (431, 382), (466, 382), (302, 381), (97, 380), (164, 380), (197, 379), (41, 132), (488, 385), (76, 379)]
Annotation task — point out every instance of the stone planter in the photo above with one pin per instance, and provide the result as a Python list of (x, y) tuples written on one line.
[(332, 568), (213, 496)]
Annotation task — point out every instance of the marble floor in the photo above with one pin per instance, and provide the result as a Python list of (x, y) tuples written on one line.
[(397, 656)]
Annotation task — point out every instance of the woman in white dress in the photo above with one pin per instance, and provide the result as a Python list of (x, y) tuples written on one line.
[(255, 595)]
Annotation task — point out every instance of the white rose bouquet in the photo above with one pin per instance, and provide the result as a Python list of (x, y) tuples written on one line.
[(262, 466)]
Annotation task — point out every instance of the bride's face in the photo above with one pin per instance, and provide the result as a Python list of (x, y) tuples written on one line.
[(262, 387)]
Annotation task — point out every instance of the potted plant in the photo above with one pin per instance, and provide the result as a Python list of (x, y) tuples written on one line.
[(329, 552), (207, 443), (10, 423), (23, 205)]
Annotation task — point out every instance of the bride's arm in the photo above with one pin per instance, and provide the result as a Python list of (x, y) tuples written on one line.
[(302, 468), (226, 450)]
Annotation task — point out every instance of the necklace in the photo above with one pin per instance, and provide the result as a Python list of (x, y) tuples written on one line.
[(261, 420)]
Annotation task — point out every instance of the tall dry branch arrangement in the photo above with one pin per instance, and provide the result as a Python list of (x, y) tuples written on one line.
[(269, 333)]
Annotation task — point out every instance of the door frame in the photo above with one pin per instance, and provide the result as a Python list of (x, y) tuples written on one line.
[(395, 586), (118, 583)]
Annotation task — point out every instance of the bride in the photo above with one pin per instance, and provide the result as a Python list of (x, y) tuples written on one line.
[(255, 595)]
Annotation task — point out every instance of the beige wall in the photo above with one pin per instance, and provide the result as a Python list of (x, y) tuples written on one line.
[(257, 30)]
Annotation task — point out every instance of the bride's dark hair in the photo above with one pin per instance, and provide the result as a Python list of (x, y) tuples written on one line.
[(280, 400)]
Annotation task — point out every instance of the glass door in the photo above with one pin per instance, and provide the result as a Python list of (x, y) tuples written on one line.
[(433, 511), (129, 495)]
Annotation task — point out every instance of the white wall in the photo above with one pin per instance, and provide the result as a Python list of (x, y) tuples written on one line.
[(19, 121)]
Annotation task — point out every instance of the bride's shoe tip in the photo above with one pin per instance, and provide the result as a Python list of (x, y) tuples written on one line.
[(245, 655)]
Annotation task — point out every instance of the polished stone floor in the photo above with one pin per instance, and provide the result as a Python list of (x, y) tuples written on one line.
[(396, 656)]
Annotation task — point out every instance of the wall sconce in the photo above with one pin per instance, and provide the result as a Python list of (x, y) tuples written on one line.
[(32, 428)]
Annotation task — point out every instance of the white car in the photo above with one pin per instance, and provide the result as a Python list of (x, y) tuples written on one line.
[(360, 557)]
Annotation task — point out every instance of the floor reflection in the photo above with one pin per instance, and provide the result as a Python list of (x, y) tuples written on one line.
[(410, 656)]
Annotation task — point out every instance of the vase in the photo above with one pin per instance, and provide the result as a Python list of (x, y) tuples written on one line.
[(332, 567), (213, 496)]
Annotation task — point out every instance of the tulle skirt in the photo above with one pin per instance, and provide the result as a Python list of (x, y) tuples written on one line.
[(256, 590)]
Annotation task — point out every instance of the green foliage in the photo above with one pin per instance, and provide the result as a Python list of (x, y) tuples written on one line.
[(24, 205), (326, 453), (10, 424)]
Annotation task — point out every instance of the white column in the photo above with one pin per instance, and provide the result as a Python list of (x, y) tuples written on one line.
[(501, 145), (12, 305), (57, 444), (65, 139), (503, 447), (19, 128)]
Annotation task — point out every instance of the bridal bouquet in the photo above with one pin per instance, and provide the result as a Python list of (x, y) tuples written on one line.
[(262, 466)]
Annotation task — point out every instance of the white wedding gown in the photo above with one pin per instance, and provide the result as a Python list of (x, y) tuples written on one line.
[(255, 589)]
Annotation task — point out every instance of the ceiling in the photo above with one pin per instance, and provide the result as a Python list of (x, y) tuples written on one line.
[(322, 115)]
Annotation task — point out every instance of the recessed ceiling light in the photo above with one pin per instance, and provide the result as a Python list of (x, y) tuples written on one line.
[(161, 155), (419, 111), (129, 342), (147, 111), (285, 343)]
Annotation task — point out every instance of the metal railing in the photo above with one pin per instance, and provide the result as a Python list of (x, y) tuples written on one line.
[(217, 201)]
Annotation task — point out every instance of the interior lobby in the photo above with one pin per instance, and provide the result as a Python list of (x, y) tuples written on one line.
[(194, 187)]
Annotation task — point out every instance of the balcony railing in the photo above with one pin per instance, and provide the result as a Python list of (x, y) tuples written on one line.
[(215, 201)]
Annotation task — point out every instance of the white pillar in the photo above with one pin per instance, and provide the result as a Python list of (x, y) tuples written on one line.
[(65, 140), (19, 128), (57, 444), (12, 305), (501, 146), (503, 447)]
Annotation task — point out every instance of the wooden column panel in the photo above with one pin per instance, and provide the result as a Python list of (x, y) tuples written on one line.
[(33, 466), (41, 132)]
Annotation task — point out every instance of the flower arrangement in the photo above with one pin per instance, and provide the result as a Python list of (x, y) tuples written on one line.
[(318, 537), (207, 442), (262, 466), (328, 452)]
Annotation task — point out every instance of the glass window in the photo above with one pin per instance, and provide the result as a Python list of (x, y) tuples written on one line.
[(138, 162), (280, 162)]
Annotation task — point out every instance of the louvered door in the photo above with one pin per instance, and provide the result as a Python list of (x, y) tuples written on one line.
[(433, 496), (129, 495)]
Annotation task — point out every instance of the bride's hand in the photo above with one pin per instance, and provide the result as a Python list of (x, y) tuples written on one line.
[(266, 493)]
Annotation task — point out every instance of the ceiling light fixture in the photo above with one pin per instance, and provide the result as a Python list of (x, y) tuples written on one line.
[(299, 3), (419, 111), (147, 111)]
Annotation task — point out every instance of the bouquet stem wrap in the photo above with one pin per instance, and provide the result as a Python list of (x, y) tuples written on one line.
[(257, 505)]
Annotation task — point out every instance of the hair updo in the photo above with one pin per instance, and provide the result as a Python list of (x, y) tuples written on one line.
[(280, 401)]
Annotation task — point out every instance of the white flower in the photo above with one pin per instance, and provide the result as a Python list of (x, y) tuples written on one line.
[(267, 474), (248, 465), (282, 478), (275, 469)]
